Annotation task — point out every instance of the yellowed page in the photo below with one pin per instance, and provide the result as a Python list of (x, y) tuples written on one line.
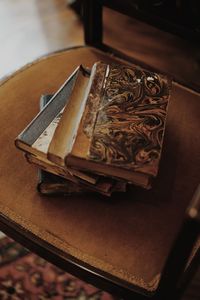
[(65, 132)]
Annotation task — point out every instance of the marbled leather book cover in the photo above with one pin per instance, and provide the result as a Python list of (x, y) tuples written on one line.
[(128, 124)]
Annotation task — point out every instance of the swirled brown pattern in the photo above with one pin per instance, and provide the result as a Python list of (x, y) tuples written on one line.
[(94, 98), (131, 119)]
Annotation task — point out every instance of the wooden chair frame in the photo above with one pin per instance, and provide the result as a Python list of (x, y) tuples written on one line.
[(174, 278)]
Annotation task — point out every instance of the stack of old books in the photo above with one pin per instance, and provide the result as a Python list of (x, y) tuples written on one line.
[(103, 129)]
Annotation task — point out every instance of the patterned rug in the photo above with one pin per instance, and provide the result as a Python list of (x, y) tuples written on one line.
[(25, 276)]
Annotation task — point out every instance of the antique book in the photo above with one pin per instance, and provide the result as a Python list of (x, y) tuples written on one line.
[(36, 137), (62, 176), (28, 137), (121, 130), (65, 133), (108, 130), (51, 184), (105, 186)]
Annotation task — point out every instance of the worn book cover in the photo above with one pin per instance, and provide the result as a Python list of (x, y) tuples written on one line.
[(28, 139), (53, 179), (51, 184), (65, 133), (36, 137), (122, 128)]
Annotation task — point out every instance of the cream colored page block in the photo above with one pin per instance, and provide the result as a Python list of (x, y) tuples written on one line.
[(66, 130)]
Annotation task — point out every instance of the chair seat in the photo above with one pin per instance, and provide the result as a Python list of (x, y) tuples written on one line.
[(127, 236)]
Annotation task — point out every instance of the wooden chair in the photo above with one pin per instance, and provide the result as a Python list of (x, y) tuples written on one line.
[(140, 245)]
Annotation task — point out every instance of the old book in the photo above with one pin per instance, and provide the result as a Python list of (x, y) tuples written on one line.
[(36, 137), (122, 127), (50, 184), (51, 168), (104, 186), (65, 133), (25, 141)]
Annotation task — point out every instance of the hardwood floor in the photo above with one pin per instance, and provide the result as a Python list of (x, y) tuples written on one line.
[(29, 29)]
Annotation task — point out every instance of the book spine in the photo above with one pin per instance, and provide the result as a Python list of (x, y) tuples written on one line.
[(89, 114), (97, 84)]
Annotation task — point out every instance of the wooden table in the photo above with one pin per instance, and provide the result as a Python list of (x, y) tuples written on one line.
[(126, 238)]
